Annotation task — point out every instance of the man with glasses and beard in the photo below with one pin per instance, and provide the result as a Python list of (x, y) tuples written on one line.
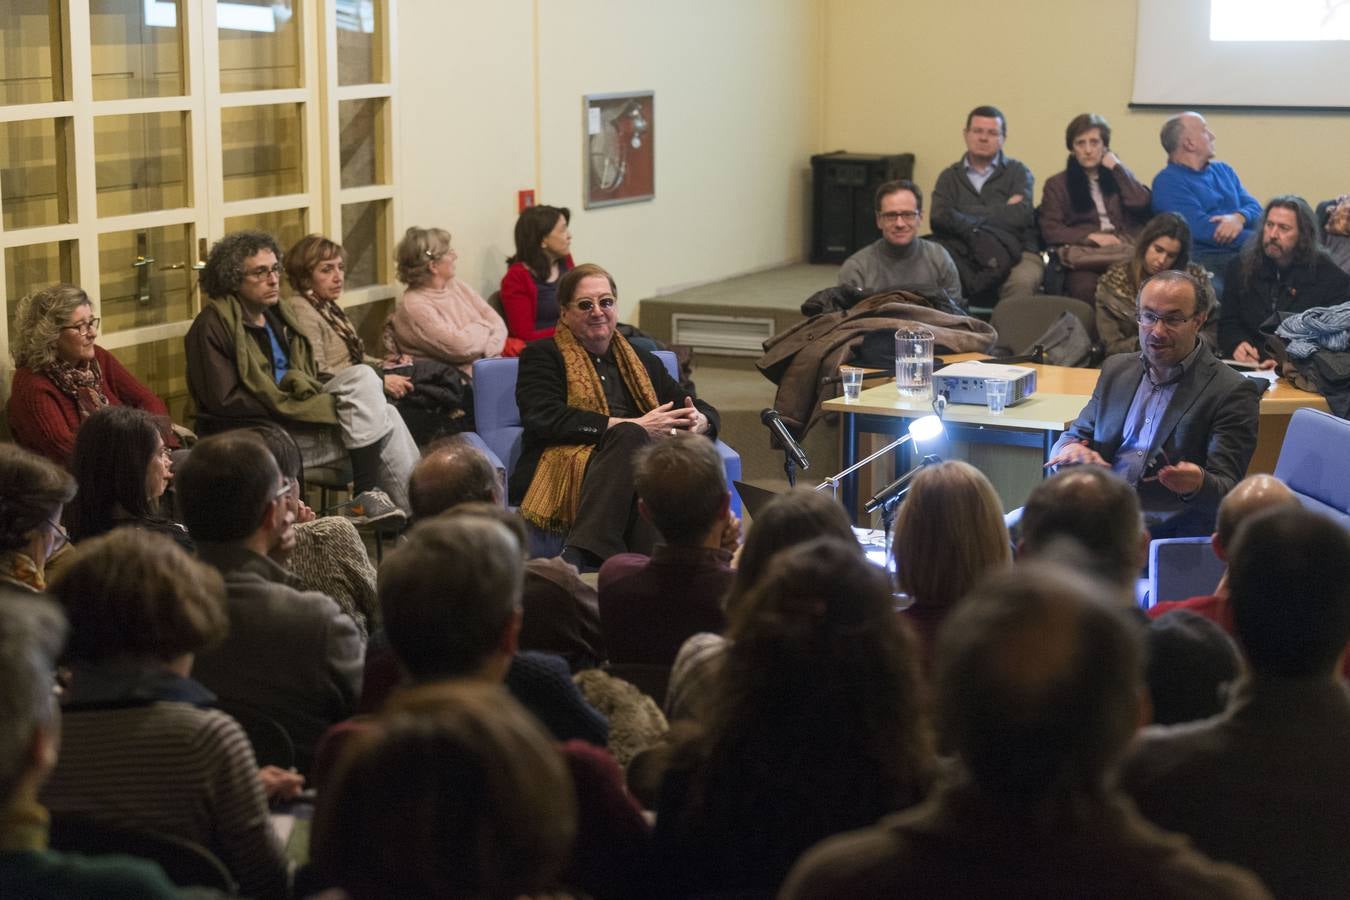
[(1171, 420)]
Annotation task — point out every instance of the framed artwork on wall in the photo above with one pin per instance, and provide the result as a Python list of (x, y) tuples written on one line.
[(619, 148)]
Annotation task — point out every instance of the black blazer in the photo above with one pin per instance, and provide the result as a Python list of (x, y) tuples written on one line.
[(541, 395), (1211, 421)]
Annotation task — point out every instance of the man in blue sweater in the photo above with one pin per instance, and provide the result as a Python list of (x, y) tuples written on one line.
[(1207, 194)]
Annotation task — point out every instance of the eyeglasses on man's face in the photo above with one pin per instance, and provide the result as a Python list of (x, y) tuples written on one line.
[(60, 537), (907, 215), (1172, 322), (588, 304), (263, 273), (86, 328)]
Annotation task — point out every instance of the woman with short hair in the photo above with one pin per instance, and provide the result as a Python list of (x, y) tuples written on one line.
[(140, 746), (33, 491), (530, 286), (1091, 212), (61, 376)]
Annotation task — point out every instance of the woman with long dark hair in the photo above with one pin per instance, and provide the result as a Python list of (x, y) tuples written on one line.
[(123, 469), (530, 285), (1092, 210), (1164, 243), (817, 728)]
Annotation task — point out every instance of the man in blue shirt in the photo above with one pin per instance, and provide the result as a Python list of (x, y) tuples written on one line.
[(1207, 194), (1171, 420)]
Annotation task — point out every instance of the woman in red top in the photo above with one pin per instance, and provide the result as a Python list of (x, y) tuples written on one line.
[(530, 285), (61, 376)]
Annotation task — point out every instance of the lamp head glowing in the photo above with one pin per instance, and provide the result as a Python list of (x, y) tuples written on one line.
[(926, 428)]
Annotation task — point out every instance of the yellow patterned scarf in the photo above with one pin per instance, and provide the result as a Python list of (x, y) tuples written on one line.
[(551, 502)]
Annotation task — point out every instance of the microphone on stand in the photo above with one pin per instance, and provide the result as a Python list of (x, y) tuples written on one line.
[(774, 421)]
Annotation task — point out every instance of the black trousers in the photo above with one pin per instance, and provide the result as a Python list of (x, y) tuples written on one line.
[(607, 520)]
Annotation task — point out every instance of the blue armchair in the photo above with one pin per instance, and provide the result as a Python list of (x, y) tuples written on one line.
[(1314, 464)]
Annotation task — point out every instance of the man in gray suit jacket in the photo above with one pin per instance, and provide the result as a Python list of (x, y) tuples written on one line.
[(1171, 420)]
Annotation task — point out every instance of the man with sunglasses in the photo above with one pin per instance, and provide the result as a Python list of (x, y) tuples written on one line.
[(901, 259), (1171, 420), (589, 400)]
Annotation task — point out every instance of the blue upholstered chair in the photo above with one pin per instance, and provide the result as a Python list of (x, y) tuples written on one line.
[(1314, 464), (1181, 567), (497, 418)]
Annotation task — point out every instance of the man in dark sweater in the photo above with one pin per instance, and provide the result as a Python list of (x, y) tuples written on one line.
[(649, 605)]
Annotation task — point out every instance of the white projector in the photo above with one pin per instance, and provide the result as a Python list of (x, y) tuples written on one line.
[(963, 382)]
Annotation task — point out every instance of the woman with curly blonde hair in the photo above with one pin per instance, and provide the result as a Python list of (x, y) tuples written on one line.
[(61, 376)]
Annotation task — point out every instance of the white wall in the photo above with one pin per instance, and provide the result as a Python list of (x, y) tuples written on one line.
[(737, 117)]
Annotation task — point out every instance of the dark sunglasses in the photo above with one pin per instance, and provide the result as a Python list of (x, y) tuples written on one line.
[(588, 305)]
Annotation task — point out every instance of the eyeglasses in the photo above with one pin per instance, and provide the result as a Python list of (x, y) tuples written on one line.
[(1150, 319), (60, 537), (262, 273), (165, 453), (588, 304), (86, 328), (909, 215), (986, 132), (284, 490)]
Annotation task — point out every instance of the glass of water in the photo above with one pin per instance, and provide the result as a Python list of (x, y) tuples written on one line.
[(914, 364), (852, 378)]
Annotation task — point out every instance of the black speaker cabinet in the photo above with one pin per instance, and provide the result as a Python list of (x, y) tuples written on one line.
[(842, 220)]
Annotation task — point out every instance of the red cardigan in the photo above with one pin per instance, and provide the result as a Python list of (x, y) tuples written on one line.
[(44, 420), (520, 301)]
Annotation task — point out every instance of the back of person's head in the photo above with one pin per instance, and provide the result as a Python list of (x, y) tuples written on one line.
[(493, 512), (31, 633), (225, 485), (1094, 507), (457, 793), (32, 491), (113, 452), (285, 451), (683, 487), (1289, 582), (819, 668), (449, 593), (790, 518), (1191, 662), (1248, 497), (1038, 684), (138, 596), (949, 532), (452, 471)]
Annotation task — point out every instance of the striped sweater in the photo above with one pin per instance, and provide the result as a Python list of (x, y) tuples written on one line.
[(172, 767)]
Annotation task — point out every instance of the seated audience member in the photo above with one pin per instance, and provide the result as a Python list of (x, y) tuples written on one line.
[(290, 654), (1206, 193), (649, 605), (1088, 518), (817, 728), (140, 748), (530, 285), (249, 364), (439, 316), (326, 553), (123, 468), (457, 793), (33, 492), (560, 610), (982, 203), (900, 258), (31, 632), (792, 518), (1252, 495), (949, 533), (1334, 217), (1284, 270), (450, 596), (588, 401), (1091, 213), (1038, 692), (61, 376), (1173, 421), (1259, 785), (316, 267), (1164, 243)]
